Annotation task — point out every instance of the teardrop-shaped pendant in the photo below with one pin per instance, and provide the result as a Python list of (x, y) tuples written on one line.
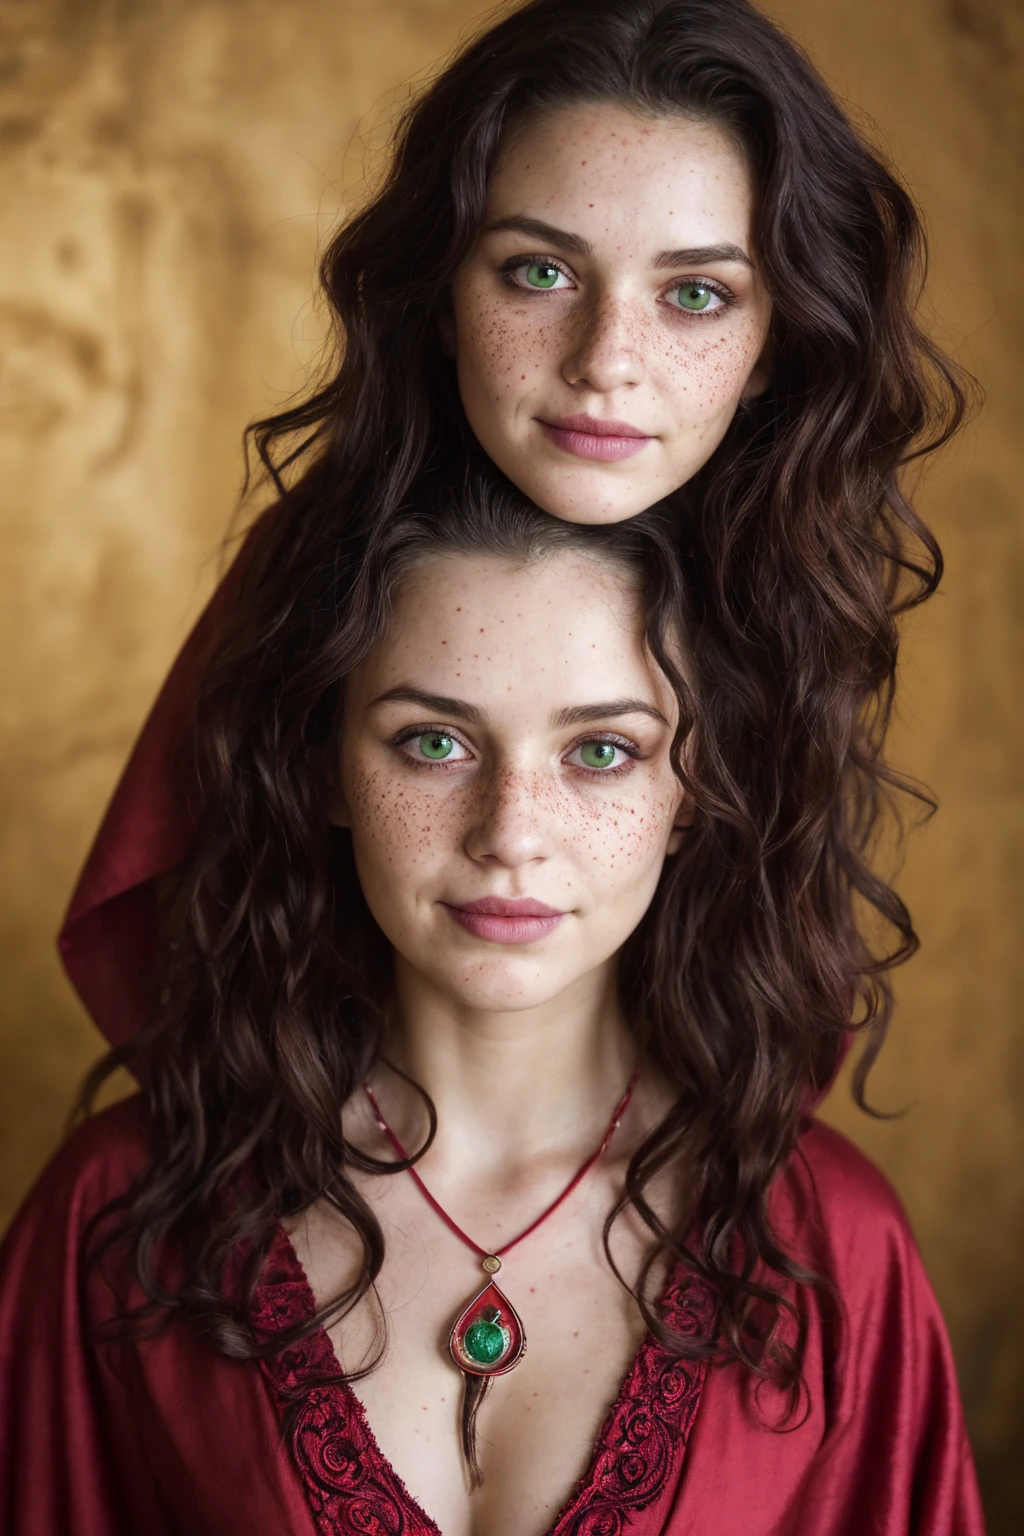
[(487, 1338)]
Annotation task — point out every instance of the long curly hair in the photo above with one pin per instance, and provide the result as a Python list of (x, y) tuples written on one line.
[(788, 560)]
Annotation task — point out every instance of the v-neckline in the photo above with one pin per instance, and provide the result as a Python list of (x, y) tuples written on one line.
[(351, 1484)]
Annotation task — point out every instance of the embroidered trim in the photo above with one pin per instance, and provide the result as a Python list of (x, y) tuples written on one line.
[(351, 1485), (648, 1426)]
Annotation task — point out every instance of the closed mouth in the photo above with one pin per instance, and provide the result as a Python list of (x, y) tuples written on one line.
[(595, 426), (506, 920), (589, 437)]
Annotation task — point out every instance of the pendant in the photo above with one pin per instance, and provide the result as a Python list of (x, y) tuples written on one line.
[(487, 1338)]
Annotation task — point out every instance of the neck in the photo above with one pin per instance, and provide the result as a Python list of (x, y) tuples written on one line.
[(508, 1085)]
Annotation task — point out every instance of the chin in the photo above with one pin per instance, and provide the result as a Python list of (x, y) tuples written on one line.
[(594, 498), (500, 986)]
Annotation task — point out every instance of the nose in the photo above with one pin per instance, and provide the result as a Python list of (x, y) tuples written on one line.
[(510, 827), (604, 352)]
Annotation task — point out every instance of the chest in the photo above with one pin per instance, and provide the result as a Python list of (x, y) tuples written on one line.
[(538, 1425)]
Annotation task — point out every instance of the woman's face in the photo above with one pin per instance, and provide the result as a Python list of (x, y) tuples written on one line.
[(612, 316), (505, 772)]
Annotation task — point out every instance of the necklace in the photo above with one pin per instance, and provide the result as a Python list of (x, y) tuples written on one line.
[(487, 1338)]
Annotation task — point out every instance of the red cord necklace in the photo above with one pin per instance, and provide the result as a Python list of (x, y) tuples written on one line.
[(487, 1338)]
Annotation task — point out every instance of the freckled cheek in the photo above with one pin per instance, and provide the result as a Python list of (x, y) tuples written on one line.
[(627, 834), (393, 824), (706, 378), (504, 350)]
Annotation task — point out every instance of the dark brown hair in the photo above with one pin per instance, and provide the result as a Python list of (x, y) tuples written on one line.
[(789, 558)]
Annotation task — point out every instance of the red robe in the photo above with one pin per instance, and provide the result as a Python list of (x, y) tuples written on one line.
[(168, 1436)]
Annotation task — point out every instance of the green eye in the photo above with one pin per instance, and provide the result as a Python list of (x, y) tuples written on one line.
[(540, 275), (598, 754), (694, 296), (436, 746)]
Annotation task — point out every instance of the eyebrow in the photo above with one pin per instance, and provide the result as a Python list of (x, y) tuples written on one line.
[(519, 224), (583, 714), (685, 256), (577, 714), (702, 256), (438, 703)]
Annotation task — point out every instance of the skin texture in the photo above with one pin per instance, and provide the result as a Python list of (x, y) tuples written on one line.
[(522, 1047), (610, 339), (514, 811)]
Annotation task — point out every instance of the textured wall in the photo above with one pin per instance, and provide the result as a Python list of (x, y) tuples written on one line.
[(168, 167)]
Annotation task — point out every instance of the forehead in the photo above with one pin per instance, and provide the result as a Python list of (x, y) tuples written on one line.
[(508, 635), (614, 169)]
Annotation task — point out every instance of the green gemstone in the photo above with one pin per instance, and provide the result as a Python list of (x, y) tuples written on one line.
[(435, 745), (484, 1343)]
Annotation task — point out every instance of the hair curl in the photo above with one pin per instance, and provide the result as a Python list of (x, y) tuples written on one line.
[(789, 558)]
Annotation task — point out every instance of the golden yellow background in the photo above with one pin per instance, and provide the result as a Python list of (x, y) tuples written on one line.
[(168, 170)]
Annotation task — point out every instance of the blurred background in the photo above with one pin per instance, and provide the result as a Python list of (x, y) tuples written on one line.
[(169, 171)]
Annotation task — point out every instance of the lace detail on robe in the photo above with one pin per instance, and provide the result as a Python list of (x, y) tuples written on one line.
[(351, 1485)]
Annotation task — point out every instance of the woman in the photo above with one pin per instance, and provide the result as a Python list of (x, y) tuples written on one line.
[(637, 255), (632, 251), (520, 956)]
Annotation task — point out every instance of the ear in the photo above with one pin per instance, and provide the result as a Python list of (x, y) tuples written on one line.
[(684, 821), (335, 804), (760, 375), (446, 330), (337, 812)]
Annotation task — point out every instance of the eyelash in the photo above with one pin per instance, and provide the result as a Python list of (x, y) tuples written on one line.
[(413, 732), (632, 751), (630, 748), (516, 263)]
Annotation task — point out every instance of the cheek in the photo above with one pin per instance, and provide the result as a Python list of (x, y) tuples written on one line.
[(394, 826), (622, 838), (707, 374), (500, 346)]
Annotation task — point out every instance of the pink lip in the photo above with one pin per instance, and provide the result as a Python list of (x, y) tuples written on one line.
[(588, 437), (505, 920)]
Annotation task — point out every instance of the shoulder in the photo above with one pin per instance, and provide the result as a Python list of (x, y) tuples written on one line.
[(833, 1211), (98, 1162), (839, 1212), (842, 1173), (41, 1252)]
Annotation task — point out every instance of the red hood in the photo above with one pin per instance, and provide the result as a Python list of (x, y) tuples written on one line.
[(109, 938)]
